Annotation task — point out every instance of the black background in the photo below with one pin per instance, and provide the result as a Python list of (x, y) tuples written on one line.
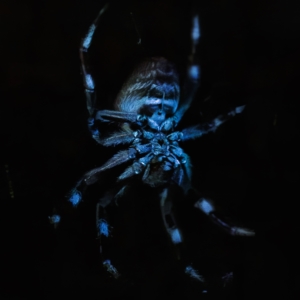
[(249, 54)]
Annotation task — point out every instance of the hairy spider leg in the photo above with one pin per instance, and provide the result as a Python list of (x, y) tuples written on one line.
[(193, 73), (118, 138), (207, 207), (169, 220), (116, 116), (201, 129), (104, 228), (137, 167), (92, 176), (87, 76), (118, 159), (104, 231), (175, 234), (88, 81), (182, 174)]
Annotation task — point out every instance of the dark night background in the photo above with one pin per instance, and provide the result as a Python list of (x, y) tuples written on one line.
[(249, 54)]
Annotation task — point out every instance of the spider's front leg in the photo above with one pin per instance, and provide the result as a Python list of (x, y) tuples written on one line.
[(88, 81), (192, 78)]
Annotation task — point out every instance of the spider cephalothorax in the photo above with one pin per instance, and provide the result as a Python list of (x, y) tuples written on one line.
[(147, 111)]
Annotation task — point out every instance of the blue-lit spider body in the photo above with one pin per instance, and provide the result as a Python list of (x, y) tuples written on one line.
[(147, 110)]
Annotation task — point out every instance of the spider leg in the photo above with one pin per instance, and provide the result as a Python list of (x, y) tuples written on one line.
[(88, 81), (117, 159), (187, 166), (137, 167), (183, 173), (169, 220), (121, 193), (92, 176), (175, 234), (104, 230), (193, 73), (120, 158), (207, 207), (117, 116), (199, 130), (118, 138)]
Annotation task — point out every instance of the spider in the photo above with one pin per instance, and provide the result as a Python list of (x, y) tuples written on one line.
[(147, 111)]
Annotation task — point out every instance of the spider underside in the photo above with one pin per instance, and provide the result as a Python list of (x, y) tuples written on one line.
[(147, 110)]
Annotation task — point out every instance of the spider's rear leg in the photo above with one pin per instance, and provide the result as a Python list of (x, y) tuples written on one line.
[(206, 206), (175, 234), (104, 229)]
